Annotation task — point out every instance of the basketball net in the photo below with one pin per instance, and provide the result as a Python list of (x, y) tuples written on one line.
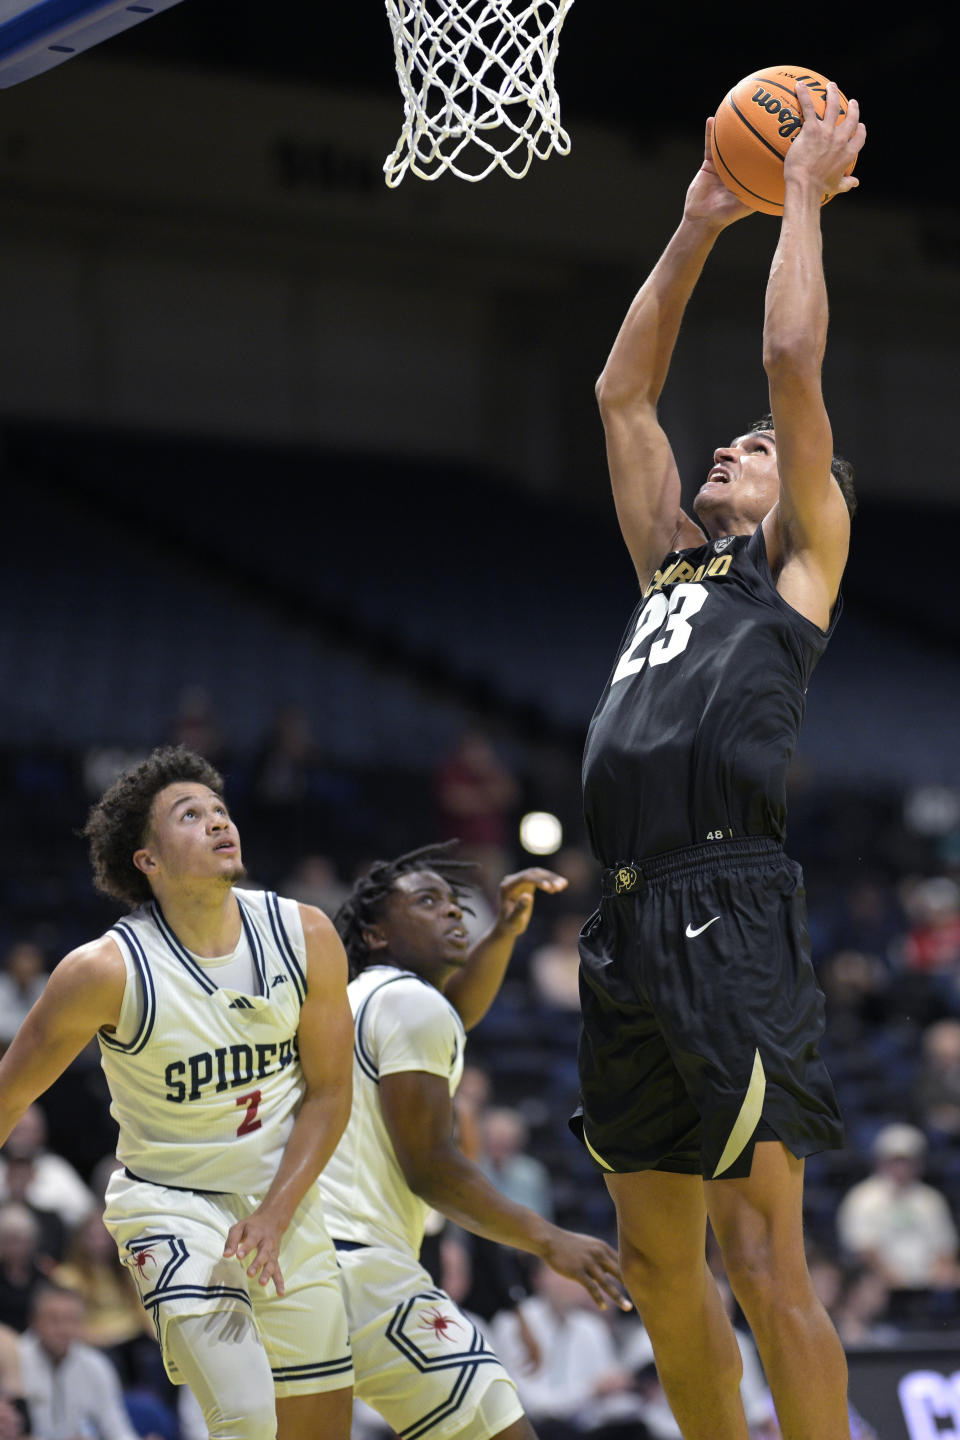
[(477, 83)]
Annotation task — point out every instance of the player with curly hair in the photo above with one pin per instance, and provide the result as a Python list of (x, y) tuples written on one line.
[(226, 1039)]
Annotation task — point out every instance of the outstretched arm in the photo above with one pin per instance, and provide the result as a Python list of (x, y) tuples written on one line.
[(419, 1117), (809, 528), (325, 1043), (82, 996), (643, 471), (473, 989)]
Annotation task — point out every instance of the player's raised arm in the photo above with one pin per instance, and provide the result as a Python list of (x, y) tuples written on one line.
[(811, 520), (325, 1044), (418, 1113), (472, 990), (82, 996), (643, 471)]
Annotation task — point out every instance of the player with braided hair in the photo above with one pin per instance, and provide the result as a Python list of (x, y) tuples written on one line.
[(418, 985)]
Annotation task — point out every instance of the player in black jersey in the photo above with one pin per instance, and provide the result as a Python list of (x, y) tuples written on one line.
[(702, 1089)]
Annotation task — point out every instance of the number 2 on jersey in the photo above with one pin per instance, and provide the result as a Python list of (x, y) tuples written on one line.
[(250, 1121), (684, 602)]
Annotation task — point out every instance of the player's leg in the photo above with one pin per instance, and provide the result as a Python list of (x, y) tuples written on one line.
[(305, 1332), (222, 1359), (758, 1222), (661, 1220), (305, 1417)]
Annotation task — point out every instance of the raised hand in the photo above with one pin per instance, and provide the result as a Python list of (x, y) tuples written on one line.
[(707, 197), (516, 897), (827, 146)]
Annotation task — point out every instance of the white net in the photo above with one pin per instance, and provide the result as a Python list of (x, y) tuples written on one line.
[(477, 84)]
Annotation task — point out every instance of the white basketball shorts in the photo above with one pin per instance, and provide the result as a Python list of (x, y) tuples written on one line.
[(173, 1241), (420, 1361)]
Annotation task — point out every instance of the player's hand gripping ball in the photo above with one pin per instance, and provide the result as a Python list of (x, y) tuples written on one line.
[(754, 128)]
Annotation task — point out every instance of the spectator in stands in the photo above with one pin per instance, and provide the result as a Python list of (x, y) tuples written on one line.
[(555, 966), (932, 944), (579, 1386), (14, 1419), (114, 1319), (195, 725), (894, 1223), (71, 1389), (22, 979), (55, 1185), (475, 796), (504, 1161), (937, 1090), (19, 1176), (314, 881), (870, 919), (288, 761), (855, 983), (860, 1308), (21, 1267)]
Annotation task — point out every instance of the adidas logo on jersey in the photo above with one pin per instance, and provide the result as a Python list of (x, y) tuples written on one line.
[(241, 1003)]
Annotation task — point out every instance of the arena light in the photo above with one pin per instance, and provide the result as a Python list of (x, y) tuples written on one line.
[(541, 833)]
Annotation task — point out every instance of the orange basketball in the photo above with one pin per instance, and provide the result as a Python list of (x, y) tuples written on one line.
[(756, 125)]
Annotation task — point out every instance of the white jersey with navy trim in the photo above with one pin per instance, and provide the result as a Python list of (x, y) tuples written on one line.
[(205, 1081), (401, 1023)]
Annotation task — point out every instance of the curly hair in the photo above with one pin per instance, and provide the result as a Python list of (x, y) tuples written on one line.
[(364, 905), (117, 824), (840, 469)]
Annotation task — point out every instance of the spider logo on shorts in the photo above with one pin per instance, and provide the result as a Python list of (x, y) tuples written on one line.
[(625, 879), (436, 1321), (143, 1258)]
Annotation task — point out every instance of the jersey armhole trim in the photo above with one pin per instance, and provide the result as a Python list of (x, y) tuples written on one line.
[(287, 952), (125, 932)]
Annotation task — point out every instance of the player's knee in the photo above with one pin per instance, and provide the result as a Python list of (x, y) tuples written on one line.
[(652, 1272), (763, 1276)]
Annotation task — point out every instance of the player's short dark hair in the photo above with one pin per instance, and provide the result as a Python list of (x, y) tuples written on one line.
[(117, 824), (364, 905), (840, 469)]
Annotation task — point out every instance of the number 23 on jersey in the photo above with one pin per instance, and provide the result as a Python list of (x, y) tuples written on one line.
[(685, 601)]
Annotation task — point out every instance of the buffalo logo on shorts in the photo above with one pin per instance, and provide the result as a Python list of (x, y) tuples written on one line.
[(439, 1323), (625, 879)]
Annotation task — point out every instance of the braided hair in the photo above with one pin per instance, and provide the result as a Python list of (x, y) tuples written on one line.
[(364, 905)]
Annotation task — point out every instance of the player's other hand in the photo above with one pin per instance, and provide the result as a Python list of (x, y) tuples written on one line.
[(708, 199), (255, 1242), (824, 148), (515, 901), (590, 1262)]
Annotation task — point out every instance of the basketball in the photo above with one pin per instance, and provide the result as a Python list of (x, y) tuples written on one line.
[(755, 126)]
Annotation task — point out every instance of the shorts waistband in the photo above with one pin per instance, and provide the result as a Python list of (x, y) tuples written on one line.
[(632, 877), (187, 1189)]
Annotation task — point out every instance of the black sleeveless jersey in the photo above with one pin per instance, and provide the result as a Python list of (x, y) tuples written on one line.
[(696, 726)]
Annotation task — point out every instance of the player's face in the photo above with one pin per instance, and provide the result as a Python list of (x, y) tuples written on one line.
[(741, 487), (422, 925), (190, 838)]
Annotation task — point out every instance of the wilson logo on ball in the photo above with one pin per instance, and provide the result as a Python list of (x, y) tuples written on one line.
[(790, 121), (754, 128)]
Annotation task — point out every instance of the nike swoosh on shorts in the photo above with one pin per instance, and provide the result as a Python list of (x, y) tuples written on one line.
[(692, 934)]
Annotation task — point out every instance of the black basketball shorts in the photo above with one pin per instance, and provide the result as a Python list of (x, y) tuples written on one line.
[(701, 1015)]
